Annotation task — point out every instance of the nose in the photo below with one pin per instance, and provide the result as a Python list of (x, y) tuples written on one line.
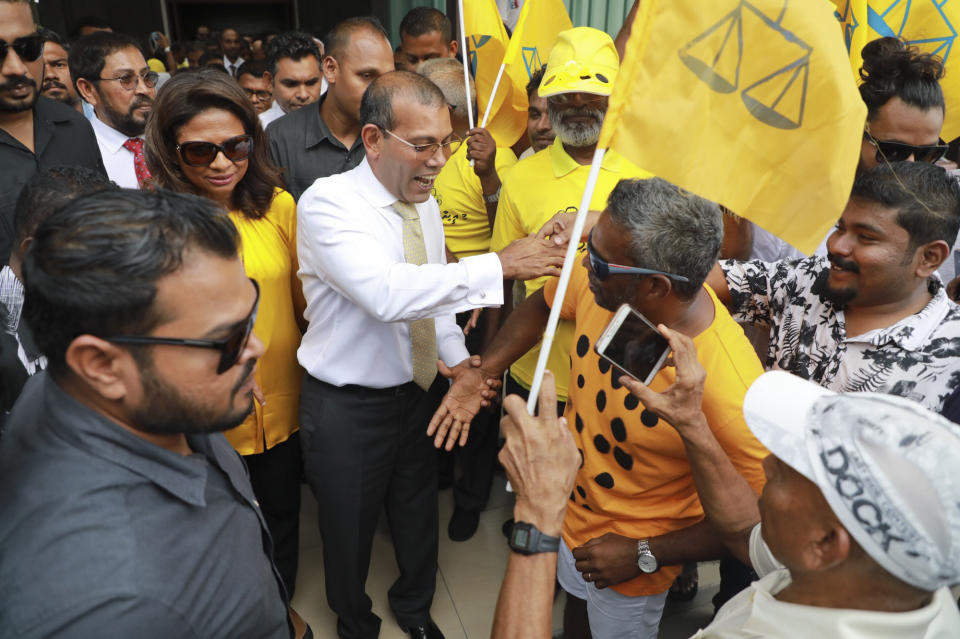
[(437, 159), (221, 161), (12, 64), (302, 94), (839, 243), (254, 349)]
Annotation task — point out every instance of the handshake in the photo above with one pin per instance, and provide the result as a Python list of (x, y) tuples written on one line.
[(471, 388)]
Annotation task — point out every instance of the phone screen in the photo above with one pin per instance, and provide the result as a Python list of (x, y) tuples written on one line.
[(636, 347)]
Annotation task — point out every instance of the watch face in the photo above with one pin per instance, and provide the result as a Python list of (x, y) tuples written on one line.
[(647, 563), (520, 537)]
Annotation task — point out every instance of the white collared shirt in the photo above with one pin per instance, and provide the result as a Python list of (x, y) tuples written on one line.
[(361, 294), (275, 111), (232, 67), (117, 160)]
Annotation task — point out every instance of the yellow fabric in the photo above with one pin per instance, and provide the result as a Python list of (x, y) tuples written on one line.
[(583, 60), (269, 252), (457, 190), (156, 65), (635, 480), (423, 332), (930, 26), (771, 130), (537, 188), (487, 42)]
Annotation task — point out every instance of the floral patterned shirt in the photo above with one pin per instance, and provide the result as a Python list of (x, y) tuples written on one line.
[(917, 358)]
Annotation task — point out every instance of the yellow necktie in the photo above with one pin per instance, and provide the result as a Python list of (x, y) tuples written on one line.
[(423, 333)]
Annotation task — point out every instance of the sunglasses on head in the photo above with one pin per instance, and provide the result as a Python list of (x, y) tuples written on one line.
[(889, 151), (28, 48), (603, 269), (230, 347), (204, 153)]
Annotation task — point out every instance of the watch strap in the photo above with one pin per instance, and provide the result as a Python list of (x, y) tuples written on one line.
[(526, 539)]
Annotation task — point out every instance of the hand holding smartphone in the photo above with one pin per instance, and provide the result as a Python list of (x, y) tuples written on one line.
[(634, 345)]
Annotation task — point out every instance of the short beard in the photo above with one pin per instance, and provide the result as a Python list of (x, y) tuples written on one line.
[(125, 122), (24, 104), (166, 412), (576, 134)]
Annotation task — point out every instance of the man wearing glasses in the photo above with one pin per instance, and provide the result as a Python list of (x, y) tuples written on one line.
[(36, 133), (113, 77), (634, 515), (126, 511), (381, 302)]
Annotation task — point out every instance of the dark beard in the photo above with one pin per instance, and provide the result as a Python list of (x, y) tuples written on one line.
[(125, 122), (24, 104)]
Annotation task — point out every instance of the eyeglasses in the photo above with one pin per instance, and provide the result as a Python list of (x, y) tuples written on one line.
[(129, 80), (204, 153), (562, 99), (603, 269), (427, 151), (28, 48), (230, 347), (889, 151), (260, 95)]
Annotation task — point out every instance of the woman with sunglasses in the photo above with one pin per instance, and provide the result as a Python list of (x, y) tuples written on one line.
[(204, 138)]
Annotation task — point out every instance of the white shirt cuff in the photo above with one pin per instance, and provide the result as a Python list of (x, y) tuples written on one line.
[(484, 279)]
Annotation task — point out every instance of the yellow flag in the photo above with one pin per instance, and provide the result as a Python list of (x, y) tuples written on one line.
[(929, 25), (487, 42), (748, 103)]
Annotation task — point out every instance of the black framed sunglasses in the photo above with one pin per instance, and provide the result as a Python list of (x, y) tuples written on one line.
[(889, 151), (204, 153), (603, 269), (230, 347), (28, 48)]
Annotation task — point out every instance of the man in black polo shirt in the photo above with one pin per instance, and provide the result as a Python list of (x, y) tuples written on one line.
[(126, 513), (323, 140), (35, 132)]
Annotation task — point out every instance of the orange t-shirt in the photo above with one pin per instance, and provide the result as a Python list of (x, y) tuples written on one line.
[(635, 480)]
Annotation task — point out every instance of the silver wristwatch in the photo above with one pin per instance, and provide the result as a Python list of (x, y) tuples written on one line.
[(645, 559)]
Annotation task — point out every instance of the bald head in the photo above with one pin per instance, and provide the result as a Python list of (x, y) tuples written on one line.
[(339, 39), (377, 104), (447, 74)]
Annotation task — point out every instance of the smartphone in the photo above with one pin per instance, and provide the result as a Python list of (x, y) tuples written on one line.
[(634, 345)]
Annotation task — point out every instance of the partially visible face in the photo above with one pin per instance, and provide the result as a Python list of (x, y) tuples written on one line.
[(416, 49), (193, 57), (230, 44), (124, 110), (181, 391), (612, 244), (577, 117), (406, 175), (203, 32), (19, 79), (896, 121), (297, 82), (363, 60), (259, 90), (57, 83), (539, 131), (869, 257), (218, 180)]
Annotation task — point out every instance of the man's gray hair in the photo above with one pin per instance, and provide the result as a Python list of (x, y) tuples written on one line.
[(447, 74), (670, 229), (376, 106)]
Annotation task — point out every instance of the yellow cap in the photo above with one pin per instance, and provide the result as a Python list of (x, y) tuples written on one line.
[(583, 60)]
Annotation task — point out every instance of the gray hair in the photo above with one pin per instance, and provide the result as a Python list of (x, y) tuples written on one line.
[(447, 74), (376, 106), (671, 230)]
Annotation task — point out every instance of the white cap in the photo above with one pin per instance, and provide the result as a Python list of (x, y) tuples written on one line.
[(888, 467)]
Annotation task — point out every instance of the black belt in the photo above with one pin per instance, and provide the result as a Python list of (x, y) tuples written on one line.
[(367, 391)]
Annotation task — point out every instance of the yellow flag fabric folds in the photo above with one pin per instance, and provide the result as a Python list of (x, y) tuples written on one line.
[(929, 25), (748, 103), (487, 42)]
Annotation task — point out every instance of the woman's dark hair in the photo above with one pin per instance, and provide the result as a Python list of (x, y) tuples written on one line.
[(182, 98), (893, 69)]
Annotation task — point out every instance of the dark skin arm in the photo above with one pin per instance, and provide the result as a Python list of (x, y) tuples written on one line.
[(737, 238), (482, 150), (718, 282)]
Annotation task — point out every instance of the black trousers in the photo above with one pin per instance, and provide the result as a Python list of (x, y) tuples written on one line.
[(275, 476), (364, 449)]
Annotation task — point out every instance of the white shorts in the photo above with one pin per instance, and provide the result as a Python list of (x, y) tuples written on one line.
[(611, 615)]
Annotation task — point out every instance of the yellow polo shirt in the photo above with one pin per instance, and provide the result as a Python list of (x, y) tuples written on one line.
[(536, 189), (460, 197)]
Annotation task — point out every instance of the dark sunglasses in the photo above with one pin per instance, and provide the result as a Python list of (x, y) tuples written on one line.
[(230, 347), (889, 151), (204, 153), (28, 48), (603, 269)]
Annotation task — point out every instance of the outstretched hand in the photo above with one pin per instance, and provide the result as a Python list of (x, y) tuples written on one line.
[(471, 389)]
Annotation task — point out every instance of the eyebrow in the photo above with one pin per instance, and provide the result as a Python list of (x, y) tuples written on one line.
[(867, 227)]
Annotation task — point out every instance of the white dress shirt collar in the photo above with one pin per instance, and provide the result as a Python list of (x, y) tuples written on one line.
[(372, 189), (110, 139)]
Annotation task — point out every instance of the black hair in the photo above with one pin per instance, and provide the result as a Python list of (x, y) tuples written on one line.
[(295, 45), (256, 68), (48, 190), (421, 20), (893, 69), (925, 196), (212, 55), (49, 35), (338, 38), (376, 106), (535, 79), (88, 55), (94, 264)]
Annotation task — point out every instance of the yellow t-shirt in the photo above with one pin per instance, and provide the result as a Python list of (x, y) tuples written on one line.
[(457, 190), (635, 480), (269, 252), (536, 189)]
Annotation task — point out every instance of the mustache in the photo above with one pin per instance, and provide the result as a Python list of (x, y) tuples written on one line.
[(17, 81), (596, 114), (847, 265), (51, 83), (139, 101)]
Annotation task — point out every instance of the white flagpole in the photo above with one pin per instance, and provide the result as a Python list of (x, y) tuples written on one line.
[(565, 272), (466, 73), (493, 94)]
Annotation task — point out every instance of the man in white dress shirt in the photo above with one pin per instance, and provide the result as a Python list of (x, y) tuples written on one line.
[(112, 76), (380, 304), (230, 45)]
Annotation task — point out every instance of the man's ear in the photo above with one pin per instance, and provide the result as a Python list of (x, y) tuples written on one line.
[(330, 69), (88, 91), (104, 367), (268, 77), (829, 550), (453, 48), (372, 138), (931, 256)]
